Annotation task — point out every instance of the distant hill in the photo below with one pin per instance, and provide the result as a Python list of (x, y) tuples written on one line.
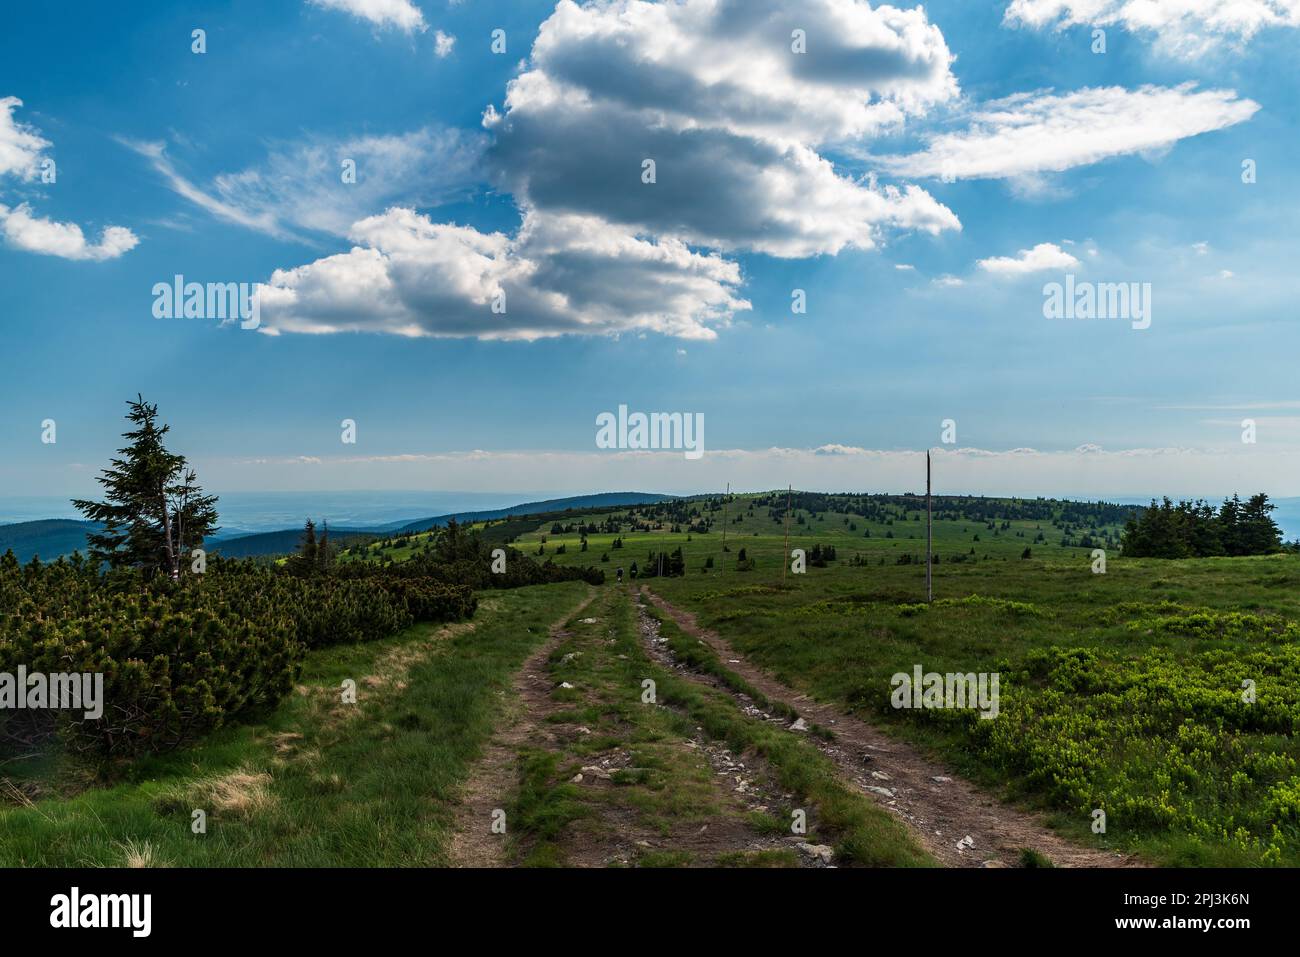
[(574, 503), (286, 540), (47, 538), (281, 542)]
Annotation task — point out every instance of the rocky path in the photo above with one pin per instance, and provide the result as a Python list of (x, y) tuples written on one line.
[(959, 823), (494, 777)]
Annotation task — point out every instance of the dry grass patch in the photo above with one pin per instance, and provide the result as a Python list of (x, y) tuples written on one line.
[(241, 793), (143, 854)]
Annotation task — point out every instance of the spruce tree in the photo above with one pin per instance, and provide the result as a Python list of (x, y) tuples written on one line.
[(304, 563), (154, 511), (324, 553)]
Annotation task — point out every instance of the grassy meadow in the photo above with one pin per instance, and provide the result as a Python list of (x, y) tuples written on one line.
[(1165, 694), (317, 782), (1120, 691)]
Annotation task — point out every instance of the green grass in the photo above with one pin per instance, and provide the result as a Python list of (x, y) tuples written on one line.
[(374, 786), (1120, 691)]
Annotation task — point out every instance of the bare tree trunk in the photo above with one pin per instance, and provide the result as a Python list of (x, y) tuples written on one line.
[(167, 536)]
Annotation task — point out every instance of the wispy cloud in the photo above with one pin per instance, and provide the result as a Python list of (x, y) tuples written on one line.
[(1088, 470), (1030, 134), (318, 185), (401, 14), (156, 153), (1184, 28)]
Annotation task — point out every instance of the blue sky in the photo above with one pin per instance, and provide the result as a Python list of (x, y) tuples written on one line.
[(776, 171)]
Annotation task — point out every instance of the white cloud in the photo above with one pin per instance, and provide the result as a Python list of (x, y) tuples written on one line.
[(731, 117), (35, 234), (401, 14), (733, 120), (1182, 27), (22, 153), (299, 186), (1042, 257), (443, 44), (1033, 133), (730, 65), (1086, 472), (21, 146), (262, 221), (409, 276)]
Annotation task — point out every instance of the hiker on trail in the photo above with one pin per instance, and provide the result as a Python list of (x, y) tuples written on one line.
[(633, 572), (620, 574)]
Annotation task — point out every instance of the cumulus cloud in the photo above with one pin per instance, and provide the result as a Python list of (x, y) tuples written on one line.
[(410, 276), (1181, 27), (1043, 131), (21, 146), (401, 14), (37, 234), (731, 65), (731, 117), (1042, 257), (22, 154), (733, 120), (443, 44)]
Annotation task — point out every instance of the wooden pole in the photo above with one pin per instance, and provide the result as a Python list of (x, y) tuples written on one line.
[(785, 559), (723, 557), (929, 534)]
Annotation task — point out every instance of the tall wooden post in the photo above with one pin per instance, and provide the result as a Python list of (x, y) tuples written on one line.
[(723, 557), (929, 534), (785, 559)]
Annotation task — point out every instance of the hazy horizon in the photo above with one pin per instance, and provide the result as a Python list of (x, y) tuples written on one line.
[(253, 512)]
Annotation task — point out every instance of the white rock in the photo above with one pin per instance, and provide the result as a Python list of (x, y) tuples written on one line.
[(565, 684), (799, 725), (822, 852), (965, 842), (883, 792), (940, 779)]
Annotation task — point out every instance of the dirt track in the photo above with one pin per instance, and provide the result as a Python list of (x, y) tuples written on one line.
[(494, 777), (941, 808)]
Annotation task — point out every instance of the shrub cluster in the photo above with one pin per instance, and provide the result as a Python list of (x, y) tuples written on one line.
[(181, 659)]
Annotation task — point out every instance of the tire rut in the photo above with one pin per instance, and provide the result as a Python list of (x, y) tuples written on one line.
[(941, 808), (495, 775)]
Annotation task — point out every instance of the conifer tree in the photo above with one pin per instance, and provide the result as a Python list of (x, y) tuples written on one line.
[(304, 563), (154, 511)]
